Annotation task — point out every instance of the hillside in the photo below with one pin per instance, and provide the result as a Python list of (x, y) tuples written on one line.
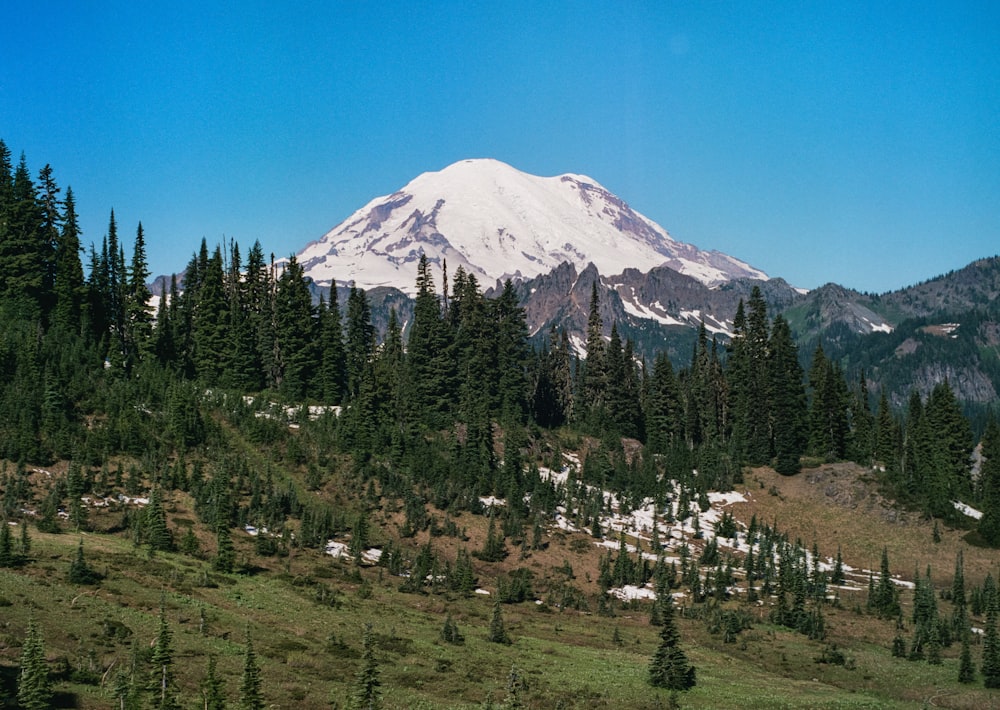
[(305, 612), (253, 495)]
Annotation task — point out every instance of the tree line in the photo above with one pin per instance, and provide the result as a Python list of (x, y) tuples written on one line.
[(243, 323)]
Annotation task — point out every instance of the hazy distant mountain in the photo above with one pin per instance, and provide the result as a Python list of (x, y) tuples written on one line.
[(496, 223)]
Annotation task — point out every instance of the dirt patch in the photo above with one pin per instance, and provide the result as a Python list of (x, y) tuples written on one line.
[(852, 487)]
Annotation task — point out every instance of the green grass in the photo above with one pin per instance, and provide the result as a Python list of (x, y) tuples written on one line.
[(309, 652)]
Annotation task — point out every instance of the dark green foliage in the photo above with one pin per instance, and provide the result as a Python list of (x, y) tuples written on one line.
[(788, 400), (366, 695), (155, 532), (34, 687), (497, 632), (884, 600), (225, 556), (79, 571), (829, 422), (989, 484), (450, 633), (251, 697), (669, 667), (162, 685), (494, 548), (990, 667), (296, 330), (750, 392), (7, 557), (213, 688)]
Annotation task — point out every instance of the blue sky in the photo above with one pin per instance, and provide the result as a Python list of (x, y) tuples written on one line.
[(849, 142)]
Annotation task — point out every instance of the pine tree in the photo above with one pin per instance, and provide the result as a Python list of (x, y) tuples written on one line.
[(357, 349), (296, 332), (430, 383), (884, 599), (34, 688), (593, 382), (68, 287), (250, 684), (24, 247), (79, 571), (7, 558), (155, 532), (829, 425), (751, 378), (991, 641), (225, 557), (498, 632), (366, 694), (669, 667), (213, 688), (210, 335), (989, 483), (788, 399), (515, 687), (162, 682), (332, 370), (450, 633), (138, 318), (966, 669)]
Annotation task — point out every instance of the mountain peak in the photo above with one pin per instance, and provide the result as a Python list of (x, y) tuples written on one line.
[(497, 222)]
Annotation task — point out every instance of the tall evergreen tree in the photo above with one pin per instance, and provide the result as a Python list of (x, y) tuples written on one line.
[(669, 667), (24, 246), (251, 697), (989, 484), (68, 285), (225, 557), (333, 366), (750, 383), (138, 317), (788, 399), (367, 695), (296, 331), (34, 687), (829, 423), (511, 337), (991, 640), (430, 380), (498, 631), (210, 322), (593, 381), (213, 687), (357, 350), (953, 444), (162, 681), (885, 599)]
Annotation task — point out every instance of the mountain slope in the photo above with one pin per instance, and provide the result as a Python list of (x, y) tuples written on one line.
[(496, 223)]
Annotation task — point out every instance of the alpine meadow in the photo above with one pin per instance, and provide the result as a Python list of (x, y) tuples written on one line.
[(604, 470)]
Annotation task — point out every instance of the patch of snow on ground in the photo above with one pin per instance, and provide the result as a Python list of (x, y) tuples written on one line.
[(726, 498), (336, 549), (967, 510), (488, 501), (630, 592)]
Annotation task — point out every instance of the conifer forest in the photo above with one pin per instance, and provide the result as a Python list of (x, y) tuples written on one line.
[(233, 494)]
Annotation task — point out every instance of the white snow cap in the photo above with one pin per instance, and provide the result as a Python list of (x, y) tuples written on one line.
[(497, 222)]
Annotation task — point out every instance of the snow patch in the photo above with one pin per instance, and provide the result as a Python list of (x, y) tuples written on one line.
[(967, 510)]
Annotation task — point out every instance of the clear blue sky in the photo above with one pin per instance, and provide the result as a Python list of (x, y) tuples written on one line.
[(853, 142)]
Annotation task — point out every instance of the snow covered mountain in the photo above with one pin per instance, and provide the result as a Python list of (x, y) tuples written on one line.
[(498, 222)]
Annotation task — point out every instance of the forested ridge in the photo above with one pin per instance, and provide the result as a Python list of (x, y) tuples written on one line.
[(239, 400)]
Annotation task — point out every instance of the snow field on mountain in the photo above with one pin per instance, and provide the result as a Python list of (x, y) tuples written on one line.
[(497, 222)]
